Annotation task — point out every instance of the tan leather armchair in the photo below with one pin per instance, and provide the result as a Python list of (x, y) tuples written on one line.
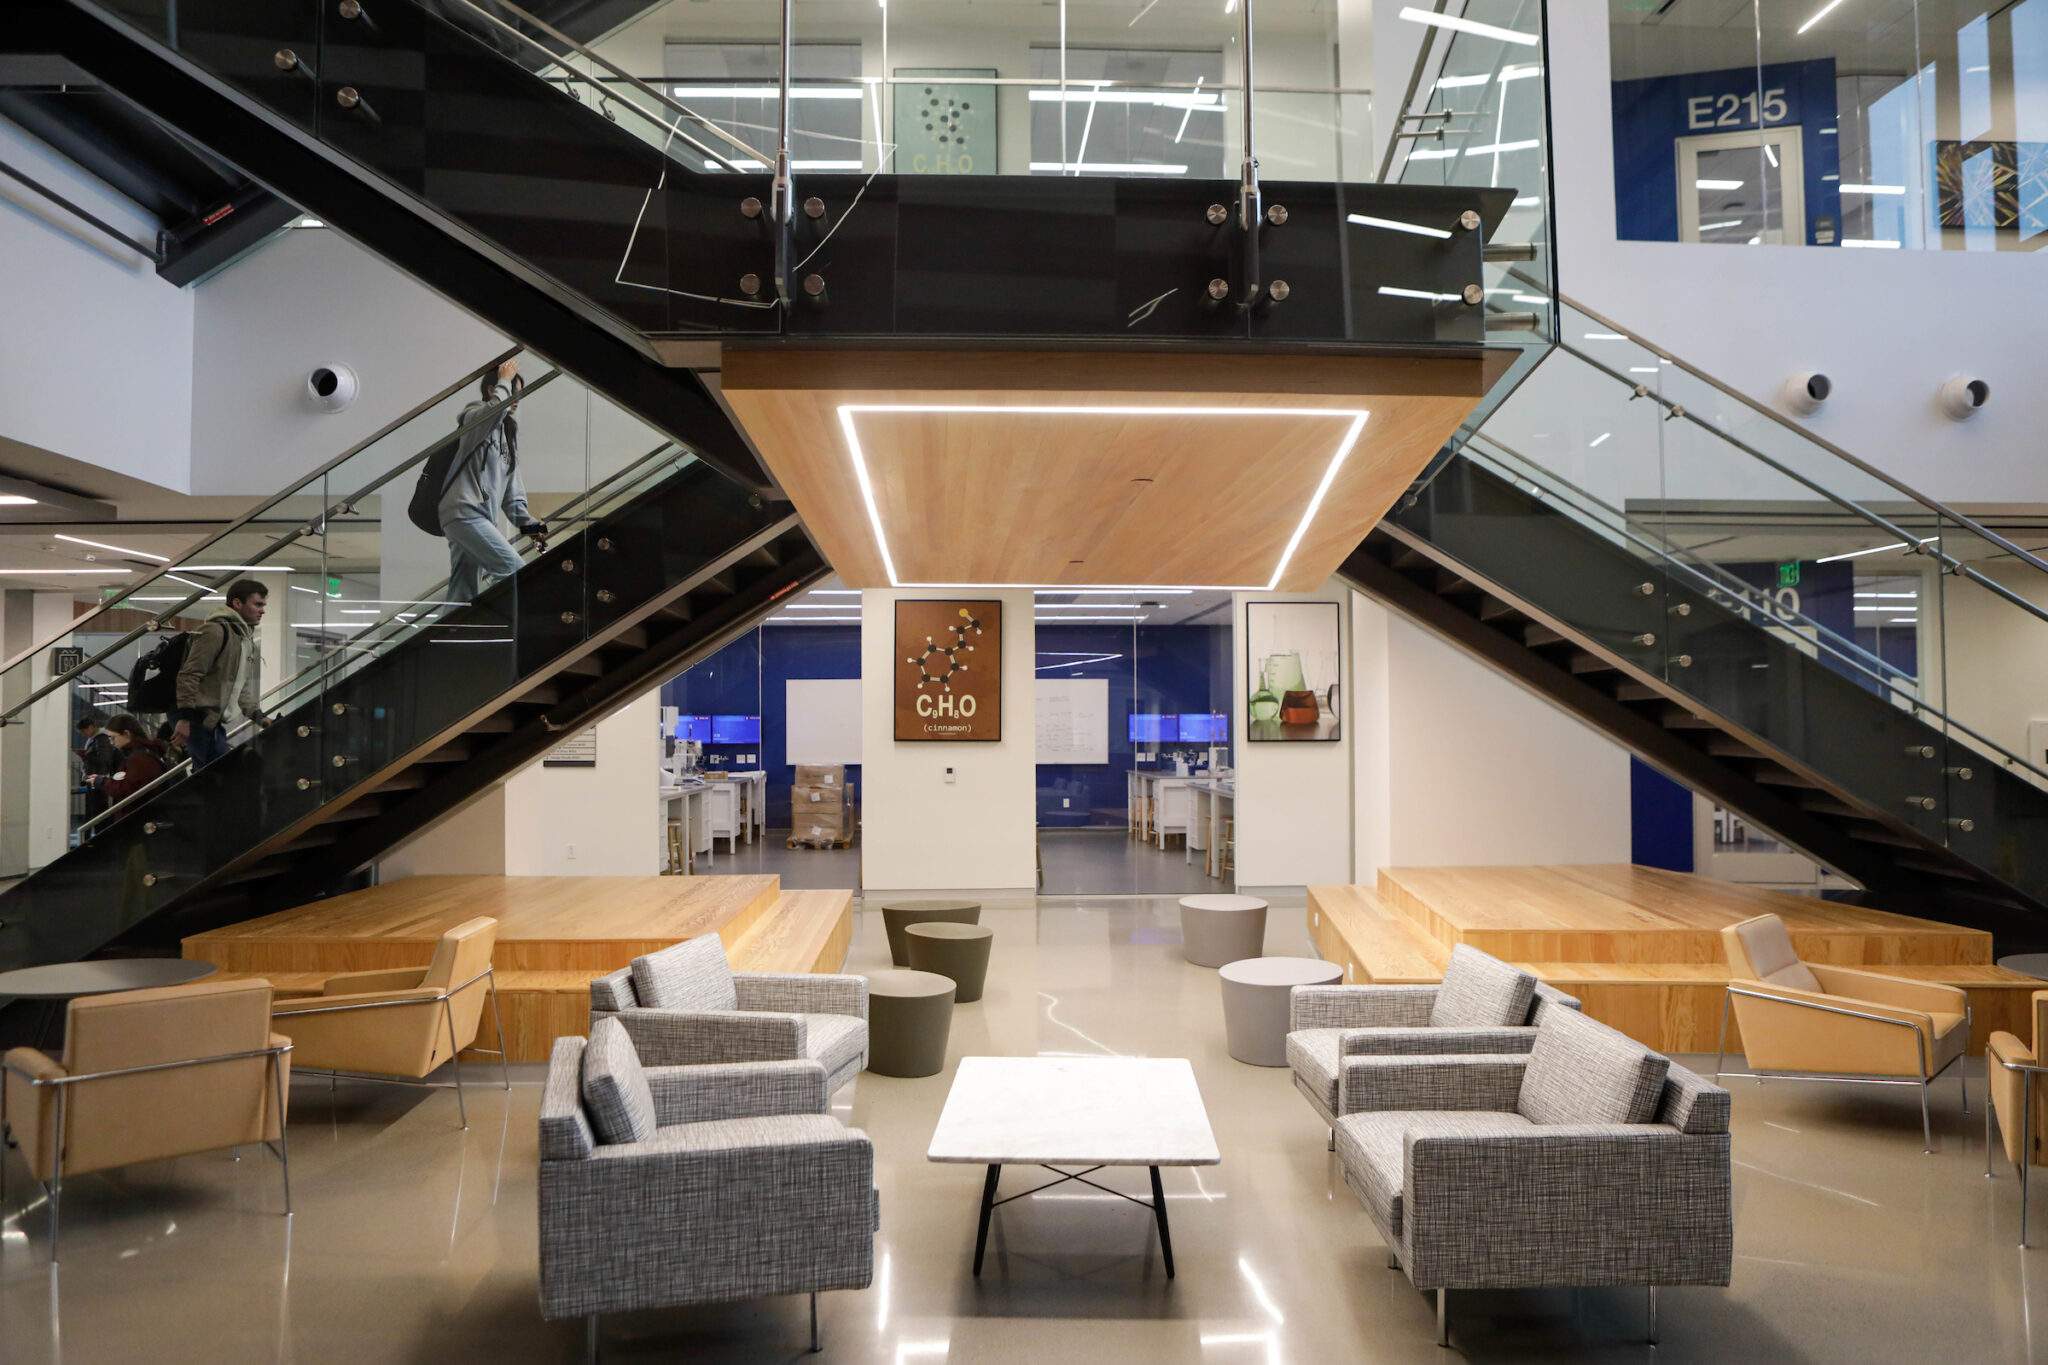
[(2018, 1101), (148, 1075), (1811, 1021), (402, 1024)]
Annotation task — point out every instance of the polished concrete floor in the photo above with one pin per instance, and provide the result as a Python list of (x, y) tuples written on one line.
[(801, 869), (1108, 862), (415, 1241)]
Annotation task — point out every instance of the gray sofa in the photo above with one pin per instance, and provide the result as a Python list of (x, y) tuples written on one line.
[(1483, 1005), (685, 1006), (666, 1186), (1589, 1160)]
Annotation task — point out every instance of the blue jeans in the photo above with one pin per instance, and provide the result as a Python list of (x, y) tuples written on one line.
[(205, 744), (476, 548)]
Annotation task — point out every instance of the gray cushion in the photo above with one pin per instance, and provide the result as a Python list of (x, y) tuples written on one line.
[(615, 1091), (1481, 991), (614, 991), (1371, 1146), (834, 1040), (1315, 1054), (692, 975), (1582, 1071)]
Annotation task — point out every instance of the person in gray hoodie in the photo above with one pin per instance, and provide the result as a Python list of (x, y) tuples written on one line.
[(482, 482), (220, 684)]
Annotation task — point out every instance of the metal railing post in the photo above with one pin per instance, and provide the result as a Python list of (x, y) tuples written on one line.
[(1250, 211), (783, 196)]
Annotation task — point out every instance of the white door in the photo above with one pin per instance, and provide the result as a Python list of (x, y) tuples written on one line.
[(1742, 188)]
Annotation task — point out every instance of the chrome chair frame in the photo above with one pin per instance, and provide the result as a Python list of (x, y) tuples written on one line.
[(444, 1000), (2027, 1073), (1926, 1123), (54, 1190)]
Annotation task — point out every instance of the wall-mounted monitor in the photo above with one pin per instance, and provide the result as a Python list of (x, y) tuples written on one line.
[(1204, 727), (1148, 729), (694, 727), (735, 729)]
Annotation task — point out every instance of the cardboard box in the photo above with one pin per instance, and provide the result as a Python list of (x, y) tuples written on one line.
[(820, 775)]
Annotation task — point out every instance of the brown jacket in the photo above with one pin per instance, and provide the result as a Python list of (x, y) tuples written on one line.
[(212, 658)]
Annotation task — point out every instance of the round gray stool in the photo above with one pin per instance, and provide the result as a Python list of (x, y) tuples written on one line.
[(959, 951), (1256, 1003), (1219, 929), (896, 918), (910, 1015)]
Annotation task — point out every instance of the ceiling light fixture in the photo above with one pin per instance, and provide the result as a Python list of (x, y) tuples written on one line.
[(1399, 293), (1102, 592), (97, 573), (1872, 189), (1395, 225), (847, 412), (15, 500), (1719, 184), (1823, 12), (1873, 550), (1459, 24), (1105, 168), (102, 545), (1594, 444)]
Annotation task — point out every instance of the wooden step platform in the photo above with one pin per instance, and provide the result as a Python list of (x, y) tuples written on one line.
[(554, 935), (1639, 946)]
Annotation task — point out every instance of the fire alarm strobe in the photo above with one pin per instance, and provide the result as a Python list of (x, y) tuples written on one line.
[(951, 653)]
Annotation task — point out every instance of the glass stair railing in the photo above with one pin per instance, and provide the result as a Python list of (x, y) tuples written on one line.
[(392, 701), (1831, 638)]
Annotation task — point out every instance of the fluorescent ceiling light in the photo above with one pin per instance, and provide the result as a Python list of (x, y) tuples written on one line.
[(309, 223), (102, 545), (1461, 82), (1527, 202), (1395, 225), (1594, 444), (1823, 12), (98, 573), (1903, 621), (1474, 27), (15, 500), (767, 92), (816, 606), (1873, 189), (1484, 149), (1642, 369), (1529, 298), (187, 598), (1194, 99), (1870, 242), (749, 164), (816, 620), (1716, 227), (1076, 661), (1087, 606), (1719, 184), (1873, 550), (847, 411), (234, 568), (835, 592), (1771, 155), (1068, 620), (1400, 293), (296, 588), (1908, 595), (1605, 336), (1103, 592), (1106, 168)]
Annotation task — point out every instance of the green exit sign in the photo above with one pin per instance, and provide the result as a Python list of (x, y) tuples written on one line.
[(1788, 575), (334, 584)]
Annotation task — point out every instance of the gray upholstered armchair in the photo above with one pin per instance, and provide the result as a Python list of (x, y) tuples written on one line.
[(686, 1006), (1483, 1005), (1589, 1160), (666, 1186)]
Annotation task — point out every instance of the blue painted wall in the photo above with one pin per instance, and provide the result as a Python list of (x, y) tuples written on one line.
[(747, 678), (1661, 819)]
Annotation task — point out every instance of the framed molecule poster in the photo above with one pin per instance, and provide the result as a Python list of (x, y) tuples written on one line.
[(945, 123), (949, 670)]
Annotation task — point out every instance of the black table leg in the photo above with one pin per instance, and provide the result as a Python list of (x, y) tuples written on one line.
[(988, 1206), (1158, 1212)]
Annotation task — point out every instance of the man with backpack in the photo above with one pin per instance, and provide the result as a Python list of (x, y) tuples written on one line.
[(220, 683), (483, 480)]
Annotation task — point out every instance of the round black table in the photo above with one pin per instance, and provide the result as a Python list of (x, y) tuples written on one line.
[(64, 981)]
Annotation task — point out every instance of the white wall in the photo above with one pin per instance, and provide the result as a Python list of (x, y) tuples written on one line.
[(609, 815), (1460, 766), (1887, 326), (919, 832), (526, 825), (311, 298), (95, 349), (1293, 807)]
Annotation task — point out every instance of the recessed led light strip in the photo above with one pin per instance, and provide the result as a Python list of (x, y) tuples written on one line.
[(854, 452)]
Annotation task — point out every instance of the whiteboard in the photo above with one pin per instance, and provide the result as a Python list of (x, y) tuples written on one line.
[(1073, 720), (824, 720)]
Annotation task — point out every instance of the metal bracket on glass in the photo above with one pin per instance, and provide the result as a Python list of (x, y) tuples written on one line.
[(1250, 213)]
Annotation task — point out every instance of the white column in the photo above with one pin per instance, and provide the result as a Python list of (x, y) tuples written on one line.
[(50, 738)]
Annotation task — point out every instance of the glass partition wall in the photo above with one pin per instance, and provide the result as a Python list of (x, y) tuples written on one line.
[(1913, 125)]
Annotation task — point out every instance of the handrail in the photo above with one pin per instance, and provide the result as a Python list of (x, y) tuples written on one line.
[(1931, 504), (253, 513), (618, 72), (289, 538)]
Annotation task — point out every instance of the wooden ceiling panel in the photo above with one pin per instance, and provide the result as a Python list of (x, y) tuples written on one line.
[(1051, 468)]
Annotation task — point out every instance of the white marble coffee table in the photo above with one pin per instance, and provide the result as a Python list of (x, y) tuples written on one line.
[(1074, 1111)]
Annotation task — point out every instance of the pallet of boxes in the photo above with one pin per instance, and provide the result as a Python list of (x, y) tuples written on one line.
[(821, 807)]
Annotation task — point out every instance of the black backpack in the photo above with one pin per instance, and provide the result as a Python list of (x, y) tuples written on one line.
[(424, 511), (153, 682)]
